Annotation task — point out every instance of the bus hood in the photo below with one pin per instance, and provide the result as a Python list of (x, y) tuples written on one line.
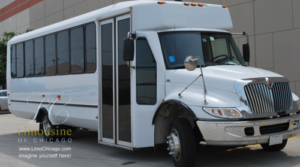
[(217, 77)]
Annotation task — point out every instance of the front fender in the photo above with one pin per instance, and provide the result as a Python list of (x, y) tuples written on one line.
[(193, 97), (170, 102)]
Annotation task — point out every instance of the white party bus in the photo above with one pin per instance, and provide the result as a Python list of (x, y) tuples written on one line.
[(147, 73)]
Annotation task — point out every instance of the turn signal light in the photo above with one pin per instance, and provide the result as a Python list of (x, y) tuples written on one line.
[(187, 4), (201, 5), (193, 4), (160, 2), (224, 6)]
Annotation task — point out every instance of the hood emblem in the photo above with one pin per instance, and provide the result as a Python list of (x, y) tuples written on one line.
[(269, 83)]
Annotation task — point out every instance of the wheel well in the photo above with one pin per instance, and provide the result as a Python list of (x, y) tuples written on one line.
[(41, 113), (168, 111)]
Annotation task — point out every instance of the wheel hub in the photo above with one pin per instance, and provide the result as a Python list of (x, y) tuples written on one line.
[(173, 142)]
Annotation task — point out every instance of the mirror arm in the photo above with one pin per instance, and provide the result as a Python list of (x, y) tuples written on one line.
[(243, 33), (201, 75), (128, 64), (131, 35)]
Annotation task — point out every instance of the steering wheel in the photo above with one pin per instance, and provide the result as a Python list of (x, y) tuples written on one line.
[(219, 57)]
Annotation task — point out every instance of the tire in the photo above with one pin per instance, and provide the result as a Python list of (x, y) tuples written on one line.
[(273, 148), (46, 126), (181, 132)]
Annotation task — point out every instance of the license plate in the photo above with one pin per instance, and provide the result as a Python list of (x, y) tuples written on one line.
[(275, 139)]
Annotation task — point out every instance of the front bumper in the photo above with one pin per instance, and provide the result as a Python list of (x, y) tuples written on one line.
[(232, 133)]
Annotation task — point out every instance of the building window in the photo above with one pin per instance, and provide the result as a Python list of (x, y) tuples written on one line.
[(39, 57), (29, 59), (146, 74), (20, 60), (77, 50), (90, 46), (50, 50), (63, 56), (13, 62)]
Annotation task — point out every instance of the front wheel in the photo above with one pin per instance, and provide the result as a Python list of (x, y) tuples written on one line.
[(181, 143), (277, 147)]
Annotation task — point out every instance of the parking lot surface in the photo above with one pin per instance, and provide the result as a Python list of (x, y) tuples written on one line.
[(83, 150)]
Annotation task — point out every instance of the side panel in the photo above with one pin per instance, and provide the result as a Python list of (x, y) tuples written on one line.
[(76, 107), (143, 130)]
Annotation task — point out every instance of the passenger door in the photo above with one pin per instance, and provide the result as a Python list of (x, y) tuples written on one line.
[(115, 93)]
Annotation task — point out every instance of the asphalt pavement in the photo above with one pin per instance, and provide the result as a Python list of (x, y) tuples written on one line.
[(83, 150)]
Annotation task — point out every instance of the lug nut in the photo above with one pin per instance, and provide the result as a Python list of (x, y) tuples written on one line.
[(168, 148), (167, 142), (170, 153), (169, 137)]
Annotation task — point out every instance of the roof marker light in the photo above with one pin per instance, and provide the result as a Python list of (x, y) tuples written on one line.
[(201, 5), (193, 4), (187, 4), (224, 6), (160, 2)]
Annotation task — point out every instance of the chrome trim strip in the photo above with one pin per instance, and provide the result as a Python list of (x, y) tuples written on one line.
[(62, 104)]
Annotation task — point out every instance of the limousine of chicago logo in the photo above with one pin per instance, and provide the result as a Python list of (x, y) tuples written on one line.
[(53, 117)]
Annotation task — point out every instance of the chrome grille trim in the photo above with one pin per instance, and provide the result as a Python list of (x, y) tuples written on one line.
[(262, 99)]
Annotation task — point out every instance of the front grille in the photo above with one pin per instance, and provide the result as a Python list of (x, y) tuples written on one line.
[(262, 100), (274, 128)]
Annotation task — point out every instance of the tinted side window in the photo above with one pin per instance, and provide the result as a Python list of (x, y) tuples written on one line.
[(145, 73), (63, 57), (77, 50), (4, 93), (13, 62), (90, 46), (20, 60), (29, 68), (39, 57), (50, 48)]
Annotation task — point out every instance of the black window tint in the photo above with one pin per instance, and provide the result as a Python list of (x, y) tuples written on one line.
[(4, 93), (39, 57), (77, 50), (107, 80), (90, 45), (13, 62), (50, 49), (20, 60), (29, 59), (63, 52), (145, 73)]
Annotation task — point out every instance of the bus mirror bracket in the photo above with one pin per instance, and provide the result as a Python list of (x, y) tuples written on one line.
[(128, 48), (246, 47)]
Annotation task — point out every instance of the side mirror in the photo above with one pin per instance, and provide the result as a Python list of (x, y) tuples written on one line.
[(246, 52), (190, 63), (128, 49)]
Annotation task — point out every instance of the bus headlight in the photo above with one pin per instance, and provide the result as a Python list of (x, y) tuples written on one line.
[(223, 112)]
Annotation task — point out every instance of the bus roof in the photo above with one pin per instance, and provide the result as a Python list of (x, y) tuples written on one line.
[(146, 15)]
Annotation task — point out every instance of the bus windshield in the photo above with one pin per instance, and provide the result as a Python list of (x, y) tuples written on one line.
[(212, 48)]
